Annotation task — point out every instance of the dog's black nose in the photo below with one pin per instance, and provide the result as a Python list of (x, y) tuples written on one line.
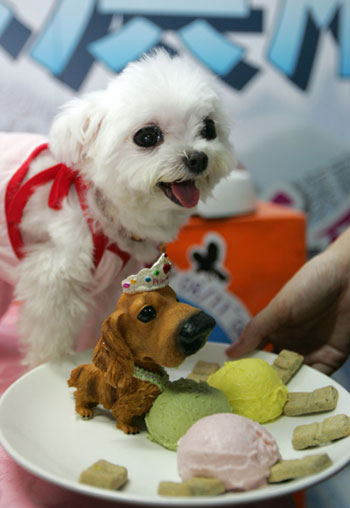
[(195, 332), (196, 162)]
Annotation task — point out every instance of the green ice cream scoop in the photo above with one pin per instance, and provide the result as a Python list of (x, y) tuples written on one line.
[(179, 406)]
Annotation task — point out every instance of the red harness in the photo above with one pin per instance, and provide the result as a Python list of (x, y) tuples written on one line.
[(62, 177)]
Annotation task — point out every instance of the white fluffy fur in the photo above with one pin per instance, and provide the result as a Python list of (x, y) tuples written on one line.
[(94, 135)]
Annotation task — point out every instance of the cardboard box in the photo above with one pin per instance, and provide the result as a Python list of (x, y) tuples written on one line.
[(232, 267)]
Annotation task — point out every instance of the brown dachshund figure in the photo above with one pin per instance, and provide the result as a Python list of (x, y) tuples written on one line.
[(148, 330)]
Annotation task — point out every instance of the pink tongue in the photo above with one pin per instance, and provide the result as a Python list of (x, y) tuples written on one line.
[(186, 192)]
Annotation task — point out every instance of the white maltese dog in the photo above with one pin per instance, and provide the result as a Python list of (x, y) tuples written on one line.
[(123, 170)]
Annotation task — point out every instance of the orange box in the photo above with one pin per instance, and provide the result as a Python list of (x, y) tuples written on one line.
[(232, 267)]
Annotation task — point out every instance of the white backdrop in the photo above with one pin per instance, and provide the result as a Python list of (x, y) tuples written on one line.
[(284, 68)]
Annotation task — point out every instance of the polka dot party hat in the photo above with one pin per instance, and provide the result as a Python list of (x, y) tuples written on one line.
[(149, 279)]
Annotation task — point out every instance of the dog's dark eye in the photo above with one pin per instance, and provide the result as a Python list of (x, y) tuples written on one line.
[(147, 314), (209, 130), (148, 137)]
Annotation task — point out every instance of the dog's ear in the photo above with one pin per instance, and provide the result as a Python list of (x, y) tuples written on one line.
[(76, 127), (112, 355)]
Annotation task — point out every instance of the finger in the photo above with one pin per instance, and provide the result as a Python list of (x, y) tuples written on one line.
[(249, 339), (327, 359), (259, 329), (321, 367)]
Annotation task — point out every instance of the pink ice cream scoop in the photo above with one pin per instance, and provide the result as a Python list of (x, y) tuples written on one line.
[(230, 447)]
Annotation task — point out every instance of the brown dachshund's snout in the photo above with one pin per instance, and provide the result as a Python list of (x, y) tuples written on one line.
[(195, 332)]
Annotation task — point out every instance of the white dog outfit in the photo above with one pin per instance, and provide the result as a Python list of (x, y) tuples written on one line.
[(19, 190), (18, 151), (14, 149)]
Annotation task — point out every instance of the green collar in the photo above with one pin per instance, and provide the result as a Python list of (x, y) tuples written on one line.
[(159, 380)]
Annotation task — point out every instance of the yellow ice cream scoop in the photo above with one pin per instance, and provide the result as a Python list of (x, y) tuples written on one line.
[(252, 387)]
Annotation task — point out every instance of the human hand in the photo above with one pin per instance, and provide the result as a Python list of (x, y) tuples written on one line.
[(310, 315)]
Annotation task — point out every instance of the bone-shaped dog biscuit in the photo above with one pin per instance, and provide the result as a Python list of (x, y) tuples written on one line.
[(202, 370), (301, 403), (104, 474), (286, 364), (334, 427), (296, 468), (192, 487)]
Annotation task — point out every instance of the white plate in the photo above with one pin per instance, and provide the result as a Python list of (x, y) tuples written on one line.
[(41, 431)]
